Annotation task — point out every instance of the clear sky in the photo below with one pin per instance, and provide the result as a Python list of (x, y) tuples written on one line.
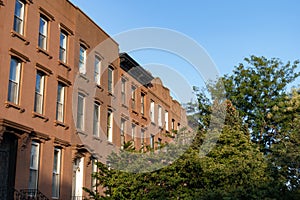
[(228, 30)]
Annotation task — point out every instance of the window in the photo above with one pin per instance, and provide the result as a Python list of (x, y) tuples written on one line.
[(14, 80), (110, 79), (178, 126), (94, 171), (96, 122), (56, 173), (159, 143), (34, 165), (173, 124), (133, 88), (122, 133), (142, 138), (78, 171), (152, 141), (80, 112), (133, 126), (159, 116), (19, 17), (142, 103), (82, 59), (43, 33), (109, 125), (60, 102), (152, 111), (39, 92), (63, 46), (167, 120), (97, 70), (123, 91)]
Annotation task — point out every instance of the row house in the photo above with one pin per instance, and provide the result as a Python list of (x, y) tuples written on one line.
[(68, 99)]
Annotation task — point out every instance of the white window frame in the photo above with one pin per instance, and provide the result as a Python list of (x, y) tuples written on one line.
[(14, 80), (80, 111), (56, 174), (82, 59), (152, 111), (78, 167), (97, 70), (109, 133), (43, 32), (94, 170), (39, 92), (34, 165), (142, 138), (133, 97), (60, 102), (96, 120), (122, 132), (159, 116), (123, 91), (63, 45), (166, 120), (143, 96), (152, 137), (19, 17), (133, 130), (110, 78)]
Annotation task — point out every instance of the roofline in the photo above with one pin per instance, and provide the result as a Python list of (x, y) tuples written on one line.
[(135, 63)]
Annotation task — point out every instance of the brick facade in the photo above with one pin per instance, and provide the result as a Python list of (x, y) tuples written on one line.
[(47, 141)]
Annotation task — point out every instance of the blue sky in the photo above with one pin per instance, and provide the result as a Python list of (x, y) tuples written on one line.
[(227, 30)]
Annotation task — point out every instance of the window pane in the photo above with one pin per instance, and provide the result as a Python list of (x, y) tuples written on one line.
[(43, 33), (109, 125), (63, 47), (14, 77), (19, 17), (39, 93), (60, 102), (82, 58), (97, 70), (110, 79), (96, 120), (80, 112)]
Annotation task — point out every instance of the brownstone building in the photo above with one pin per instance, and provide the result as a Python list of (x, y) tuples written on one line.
[(69, 99)]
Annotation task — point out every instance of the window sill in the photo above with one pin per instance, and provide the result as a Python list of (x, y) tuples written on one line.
[(15, 106), (58, 123), (40, 50), (110, 143), (81, 132), (41, 116), (97, 138), (83, 76), (124, 106), (99, 87), (135, 112), (144, 118), (64, 65), (21, 37), (111, 94)]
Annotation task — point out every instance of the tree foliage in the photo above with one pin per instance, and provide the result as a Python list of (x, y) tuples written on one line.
[(254, 89), (234, 169)]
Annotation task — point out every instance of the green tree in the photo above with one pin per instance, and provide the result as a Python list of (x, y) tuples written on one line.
[(285, 157), (234, 169), (254, 89)]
